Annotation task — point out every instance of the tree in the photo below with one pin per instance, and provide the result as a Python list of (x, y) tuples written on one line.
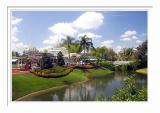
[(85, 45), (15, 54), (68, 41), (141, 54), (60, 59), (126, 54), (46, 61)]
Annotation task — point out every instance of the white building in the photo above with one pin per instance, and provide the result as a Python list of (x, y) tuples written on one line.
[(55, 51)]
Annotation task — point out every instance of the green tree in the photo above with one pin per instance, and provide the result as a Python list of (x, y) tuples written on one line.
[(46, 61), (141, 54), (127, 54), (85, 45), (60, 59)]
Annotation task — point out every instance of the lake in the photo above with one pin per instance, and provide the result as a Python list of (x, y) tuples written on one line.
[(89, 91)]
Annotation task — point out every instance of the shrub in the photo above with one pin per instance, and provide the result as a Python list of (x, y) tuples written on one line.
[(53, 72), (129, 92), (108, 65)]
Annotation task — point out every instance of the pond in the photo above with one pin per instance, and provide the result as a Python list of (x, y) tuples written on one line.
[(90, 90)]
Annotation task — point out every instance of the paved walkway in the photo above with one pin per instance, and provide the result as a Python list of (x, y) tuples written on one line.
[(17, 71)]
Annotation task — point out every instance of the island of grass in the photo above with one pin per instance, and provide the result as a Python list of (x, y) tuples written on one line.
[(142, 71), (24, 84)]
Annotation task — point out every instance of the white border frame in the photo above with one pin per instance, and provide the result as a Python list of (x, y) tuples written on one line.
[(112, 107)]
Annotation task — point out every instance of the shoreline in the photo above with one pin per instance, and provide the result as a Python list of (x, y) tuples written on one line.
[(26, 97)]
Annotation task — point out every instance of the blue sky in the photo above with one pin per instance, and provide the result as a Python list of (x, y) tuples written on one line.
[(44, 29)]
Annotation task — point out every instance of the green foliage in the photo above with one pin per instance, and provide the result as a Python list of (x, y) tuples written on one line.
[(129, 92), (46, 61), (104, 53), (141, 55), (126, 54), (107, 65), (54, 72), (142, 71), (60, 59)]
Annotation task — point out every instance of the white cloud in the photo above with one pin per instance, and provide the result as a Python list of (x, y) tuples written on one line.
[(138, 41), (125, 39), (134, 37), (128, 35), (54, 40), (89, 20), (107, 43), (17, 45), (63, 28), (16, 20), (90, 35)]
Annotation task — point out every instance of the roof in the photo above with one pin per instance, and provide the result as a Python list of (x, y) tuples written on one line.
[(14, 60)]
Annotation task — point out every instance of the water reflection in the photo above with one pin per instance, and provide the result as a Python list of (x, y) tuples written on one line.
[(90, 90)]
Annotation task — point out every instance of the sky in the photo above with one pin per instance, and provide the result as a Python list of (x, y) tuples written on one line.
[(46, 29)]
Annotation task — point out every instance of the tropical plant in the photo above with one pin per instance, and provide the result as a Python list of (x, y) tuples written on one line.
[(85, 45), (67, 42)]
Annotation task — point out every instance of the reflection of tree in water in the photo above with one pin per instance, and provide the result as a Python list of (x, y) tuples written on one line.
[(103, 86)]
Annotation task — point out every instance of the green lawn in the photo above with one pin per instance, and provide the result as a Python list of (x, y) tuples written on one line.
[(143, 71), (28, 83), (94, 73)]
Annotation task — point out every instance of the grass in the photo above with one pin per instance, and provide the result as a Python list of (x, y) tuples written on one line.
[(27, 83), (142, 71), (24, 84), (95, 73)]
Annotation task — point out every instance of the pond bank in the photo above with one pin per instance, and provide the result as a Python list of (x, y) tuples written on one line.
[(27, 85)]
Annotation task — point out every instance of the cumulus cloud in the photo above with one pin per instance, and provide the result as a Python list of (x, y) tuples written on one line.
[(128, 35), (17, 45), (63, 28), (89, 20), (107, 43)]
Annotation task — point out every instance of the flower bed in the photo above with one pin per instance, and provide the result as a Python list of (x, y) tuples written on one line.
[(54, 72)]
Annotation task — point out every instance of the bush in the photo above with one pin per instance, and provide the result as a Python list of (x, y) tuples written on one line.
[(108, 65), (129, 92), (53, 72)]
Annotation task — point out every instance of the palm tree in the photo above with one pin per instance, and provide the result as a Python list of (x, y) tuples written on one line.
[(85, 45), (69, 40)]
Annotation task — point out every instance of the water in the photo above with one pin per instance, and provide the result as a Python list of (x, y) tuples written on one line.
[(88, 91)]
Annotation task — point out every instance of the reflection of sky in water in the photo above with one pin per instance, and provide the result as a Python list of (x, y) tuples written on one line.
[(90, 90)]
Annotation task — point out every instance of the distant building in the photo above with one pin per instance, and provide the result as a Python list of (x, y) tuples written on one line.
[(55, 51)]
